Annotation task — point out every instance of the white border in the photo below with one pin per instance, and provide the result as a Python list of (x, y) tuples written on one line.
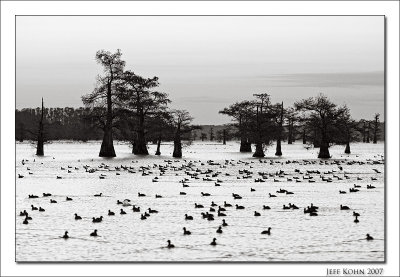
[(9, 9)]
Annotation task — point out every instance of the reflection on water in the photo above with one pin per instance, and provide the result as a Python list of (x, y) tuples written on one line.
[(295, 236)]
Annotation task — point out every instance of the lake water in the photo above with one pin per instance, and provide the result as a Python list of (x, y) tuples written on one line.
[(295, 236)]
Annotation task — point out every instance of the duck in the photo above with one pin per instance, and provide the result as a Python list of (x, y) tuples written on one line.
[(313, 214), (212, 209), (205, 194), (289, 192), (341, 192), (119, 202), (65, 236), (143, 217), (110, 212), (141, 194), (251, 189), (219, 230), (188, 217), (96, 220), (152, 211), (356, 220), (46, 194), (158, 196), (256, 213), (266, 232), (186, 232), (213, 204), (122, 212), (286, 207), (58, 177), (25, 221), (41, 209), (227, 204), (239, 207), (224, 223), (198, 206), (24, 213), (98, 195), (34, 208), (369, 237), (355, 214), (266, 207), (221, 209), (221, 214), (94, 233), (370, 187), (135, 209), (182, 193), (170, 245), (214, 242), (77, 217), (344, 207), (68, 199), (53, 201), (271, 195)]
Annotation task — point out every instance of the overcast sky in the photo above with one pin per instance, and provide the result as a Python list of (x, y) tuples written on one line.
[(207, 63)]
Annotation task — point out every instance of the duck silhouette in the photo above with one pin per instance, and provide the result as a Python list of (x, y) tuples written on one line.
[(65, 236), (224, 223), (266, 232), (186, 232), (77, 217), (369, 237), (110, 212), (188, 217), (219, 230), (170, 245), (94, 233), (214, 242), (256, 213)]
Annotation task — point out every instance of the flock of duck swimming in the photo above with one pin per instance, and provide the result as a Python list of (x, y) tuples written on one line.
[(213, 175)]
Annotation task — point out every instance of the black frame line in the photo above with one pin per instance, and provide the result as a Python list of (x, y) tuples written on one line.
[(213, 262)]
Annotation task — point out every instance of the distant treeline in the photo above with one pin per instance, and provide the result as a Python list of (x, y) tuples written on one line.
[(75, 124)]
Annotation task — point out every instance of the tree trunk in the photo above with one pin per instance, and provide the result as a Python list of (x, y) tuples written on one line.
[(224, 137), (304, 137), (107, 146), (278, 148), (347, 150), (158, 146), (259, 153), (40, 140), (369, 126), (141, 147), (245, 145), (278, 141), (290, 133), (324, 148), (177, 143)]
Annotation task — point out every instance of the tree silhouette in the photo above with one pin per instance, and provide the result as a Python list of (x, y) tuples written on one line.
[(106, 95)]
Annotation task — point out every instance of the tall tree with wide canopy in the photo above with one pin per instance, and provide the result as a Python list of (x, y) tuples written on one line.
[(142, 102), (323, 115), (106, 95), (181, 120), (241, 113)]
